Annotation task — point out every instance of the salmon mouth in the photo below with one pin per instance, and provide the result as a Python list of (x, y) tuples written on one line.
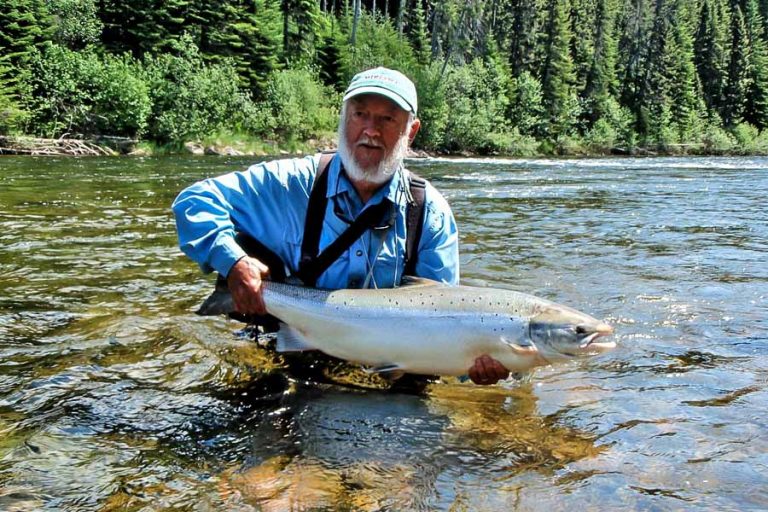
[(594, 342)]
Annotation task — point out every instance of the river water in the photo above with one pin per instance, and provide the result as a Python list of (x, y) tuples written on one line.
[(115, 396)]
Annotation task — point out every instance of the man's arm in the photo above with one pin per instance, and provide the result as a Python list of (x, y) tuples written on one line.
[(438, 249), (261, 202)]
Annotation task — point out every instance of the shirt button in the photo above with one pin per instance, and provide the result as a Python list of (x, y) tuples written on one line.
[(359, 253)]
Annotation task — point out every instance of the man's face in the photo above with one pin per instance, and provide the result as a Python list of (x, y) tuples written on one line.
[(375, 136)]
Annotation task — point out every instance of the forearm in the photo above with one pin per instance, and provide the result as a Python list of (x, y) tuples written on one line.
[(206, 228)]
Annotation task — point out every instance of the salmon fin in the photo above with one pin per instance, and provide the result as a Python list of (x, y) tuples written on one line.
[(418, 281), (291, 340), (218, 303), (388, 371), (524, 349)]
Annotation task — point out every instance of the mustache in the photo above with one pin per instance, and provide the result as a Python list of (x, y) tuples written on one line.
[(369, 141)]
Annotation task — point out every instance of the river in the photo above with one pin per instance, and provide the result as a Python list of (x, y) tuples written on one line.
[(115, 396)]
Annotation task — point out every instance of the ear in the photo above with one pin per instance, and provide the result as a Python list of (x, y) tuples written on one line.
[(414, 129)]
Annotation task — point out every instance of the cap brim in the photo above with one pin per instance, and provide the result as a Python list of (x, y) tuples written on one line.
[(381, 92)]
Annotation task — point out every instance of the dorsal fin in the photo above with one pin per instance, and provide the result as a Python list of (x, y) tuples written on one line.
[(411, 281)]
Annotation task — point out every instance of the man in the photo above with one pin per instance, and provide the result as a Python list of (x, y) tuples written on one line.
[(269, 202)]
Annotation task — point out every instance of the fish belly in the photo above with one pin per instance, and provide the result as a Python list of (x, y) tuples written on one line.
[(416, 342)]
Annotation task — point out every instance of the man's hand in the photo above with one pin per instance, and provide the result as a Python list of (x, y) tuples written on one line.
[(487, 370), (245, 280)]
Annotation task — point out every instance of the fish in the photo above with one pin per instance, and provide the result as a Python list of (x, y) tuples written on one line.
[(425, 327)]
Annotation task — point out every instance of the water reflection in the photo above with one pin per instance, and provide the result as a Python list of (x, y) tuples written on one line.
[(344, 449)]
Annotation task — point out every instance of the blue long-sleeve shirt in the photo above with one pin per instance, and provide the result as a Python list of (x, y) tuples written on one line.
[(269, 202)]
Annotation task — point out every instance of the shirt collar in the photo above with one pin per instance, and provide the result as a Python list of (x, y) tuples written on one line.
[(339, 183)]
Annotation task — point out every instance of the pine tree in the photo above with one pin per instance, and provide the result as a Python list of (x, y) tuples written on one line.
[(300, 23), (684, 92), (734, 98), (583, 20), (247, 32), (522, 27), (756, 104), (634, 28), (710, 55), (652, 100), (418, 34), (557, 74), (601, 79), (25, 26)]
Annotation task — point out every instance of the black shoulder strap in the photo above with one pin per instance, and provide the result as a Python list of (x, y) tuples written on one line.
[(312, 264), (414, 219), (313, 222)]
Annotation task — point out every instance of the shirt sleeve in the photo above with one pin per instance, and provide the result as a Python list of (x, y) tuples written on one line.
[(261, 201), (439, 245)]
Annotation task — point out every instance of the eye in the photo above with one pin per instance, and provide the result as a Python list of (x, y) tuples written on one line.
[(580, 329)]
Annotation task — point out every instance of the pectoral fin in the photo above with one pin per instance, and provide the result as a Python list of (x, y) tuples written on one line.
[(291, 340), (521, 348), (388, 371)]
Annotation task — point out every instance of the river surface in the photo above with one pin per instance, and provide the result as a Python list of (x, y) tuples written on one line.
[(115, 396)]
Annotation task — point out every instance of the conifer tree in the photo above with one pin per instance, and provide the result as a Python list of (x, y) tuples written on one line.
[(684, 92), (557, 74), (300, 23), (634, 29), (652, 99), (601, 78), (756, 104), (522, 28), (734, 97), (25, 26), (711, 55), (418, 34), (583, 20)]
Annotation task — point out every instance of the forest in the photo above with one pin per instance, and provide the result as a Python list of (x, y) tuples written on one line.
[(508, 77)]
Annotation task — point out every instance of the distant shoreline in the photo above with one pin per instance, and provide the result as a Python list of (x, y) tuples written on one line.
[(118, 146)]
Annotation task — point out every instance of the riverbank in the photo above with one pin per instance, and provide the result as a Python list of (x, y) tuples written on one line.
[(244, 146)]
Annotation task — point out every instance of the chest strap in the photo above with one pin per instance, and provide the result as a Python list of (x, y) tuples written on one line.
[(312, 265)]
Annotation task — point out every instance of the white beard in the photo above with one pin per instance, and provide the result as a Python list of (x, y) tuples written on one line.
[(374, 175)]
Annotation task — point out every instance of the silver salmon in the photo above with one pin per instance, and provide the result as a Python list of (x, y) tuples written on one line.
[(426, 327)]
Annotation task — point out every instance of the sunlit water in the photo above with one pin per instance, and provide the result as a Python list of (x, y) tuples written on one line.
[(115, 396)]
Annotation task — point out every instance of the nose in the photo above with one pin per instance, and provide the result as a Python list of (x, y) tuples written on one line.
[(371, 129)]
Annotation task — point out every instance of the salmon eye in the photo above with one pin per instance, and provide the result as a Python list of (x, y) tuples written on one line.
[(580, 329)]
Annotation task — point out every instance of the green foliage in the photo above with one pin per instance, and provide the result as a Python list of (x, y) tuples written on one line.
[(433, 108), (11, 115), (526, 107), (557, 75), (736, 82), (301, 20), (476, 100), (711, 55), (716, 140), (79, 93), (297, 106), (491, 76), (245, 33), (756, 101), (76, 22), (378, 44), (190, 98), (749, 139), (612, 129)]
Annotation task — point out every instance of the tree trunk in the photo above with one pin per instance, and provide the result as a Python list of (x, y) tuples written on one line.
[(401, 16), (355, 20)]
